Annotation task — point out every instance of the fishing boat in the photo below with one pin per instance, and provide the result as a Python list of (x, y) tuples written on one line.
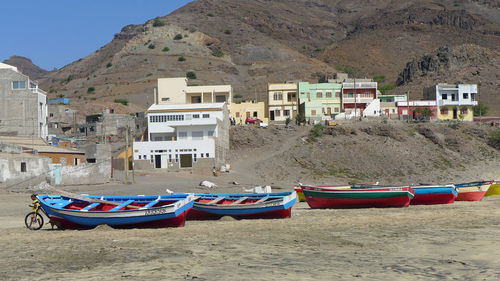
[(434, 194), (365, 197), (86, 212), (302, 198), (472, 191), (494, 189), (242, 206)]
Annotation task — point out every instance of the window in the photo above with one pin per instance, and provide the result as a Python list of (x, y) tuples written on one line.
[(393, 110), (194, 156), (328, 94), (201, 155), (308, 96), (237, 115), (220, 98), (170, 158), (350, 95), (464, 111), (51, 114), (176, 158), (208, 155), (152, 160), (319, 95), (183, 135), (466, 96), (195, 99), (23, 167), (444, 96), (277, 96), (313, 112), (165, 99), (158, 138), (367, 95), (473, 96), (198, 135), (291, 96), (144, 156), (18, 85), (337, 94), (255, 114), (196, 116), (323, 110), (286, 112), (140, 157), (444, 111), (206, 115), (210, 133), (336, 109), (277, 112)]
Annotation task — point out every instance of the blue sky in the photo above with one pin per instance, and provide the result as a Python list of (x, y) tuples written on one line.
[(54, 33)]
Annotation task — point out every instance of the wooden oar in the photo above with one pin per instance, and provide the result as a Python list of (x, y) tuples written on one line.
[(83, 198)]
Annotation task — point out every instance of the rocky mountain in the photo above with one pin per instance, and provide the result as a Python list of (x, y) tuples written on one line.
[(27, 67), (248, 43)]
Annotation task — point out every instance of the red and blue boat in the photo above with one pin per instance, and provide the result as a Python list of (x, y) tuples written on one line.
[(87, 212), (434, 194), (242, 206), (363, 197), (472, 191)]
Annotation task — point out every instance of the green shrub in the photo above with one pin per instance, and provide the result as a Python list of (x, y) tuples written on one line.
[(386, 88), (217, 52), (122, 101), (90, 90), (227, 31), (237, 96), (317, 130), (379, 78), (166, 49), (480, 109), (93, 98), (288, 121), (109, 65), (157, 23), (210, 14), (191, 75), (347, 69), (494, 139), (60, 96), (178, 37), (151, 46), (149, 74), (181, 59)]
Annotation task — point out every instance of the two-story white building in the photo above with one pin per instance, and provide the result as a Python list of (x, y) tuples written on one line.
[(454, 102), (184, 136)]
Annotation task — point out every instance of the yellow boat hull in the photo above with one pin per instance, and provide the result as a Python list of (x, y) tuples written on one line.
[(494, 190)]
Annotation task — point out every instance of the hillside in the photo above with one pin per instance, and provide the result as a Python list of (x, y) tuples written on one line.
[(392, 153), (248, 43), (27, 67)]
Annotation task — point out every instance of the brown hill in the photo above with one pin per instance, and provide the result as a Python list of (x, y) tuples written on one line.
[(27, 67), (248, 43)]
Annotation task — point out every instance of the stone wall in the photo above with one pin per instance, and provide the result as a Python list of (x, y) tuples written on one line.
[(36, 170)]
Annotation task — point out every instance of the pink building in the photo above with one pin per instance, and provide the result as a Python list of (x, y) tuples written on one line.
[(414, 107)]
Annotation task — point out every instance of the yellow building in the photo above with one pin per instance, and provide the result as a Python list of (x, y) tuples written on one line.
[(240, 111), (282, 100), (454, 102)]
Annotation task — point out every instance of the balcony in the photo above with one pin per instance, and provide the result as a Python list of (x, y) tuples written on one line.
[(456, 102), (358, 100)]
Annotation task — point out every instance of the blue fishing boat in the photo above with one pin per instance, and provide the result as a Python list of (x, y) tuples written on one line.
[(434, 194), (242, 206), (85, 212)]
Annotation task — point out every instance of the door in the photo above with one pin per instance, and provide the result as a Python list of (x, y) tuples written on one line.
[(271, 115), (186, 160), (455, 113), (329, 111), (56, 173), (164, 161), (158, 161)]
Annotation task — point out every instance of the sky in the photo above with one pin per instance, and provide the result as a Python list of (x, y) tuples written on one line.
[(55, 33)]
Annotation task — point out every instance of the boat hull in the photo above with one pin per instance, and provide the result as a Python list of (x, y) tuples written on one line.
[(274, 209), (300, 195), (472, 191), (494, 190), (171, 215), (434, 195), (342, 199)]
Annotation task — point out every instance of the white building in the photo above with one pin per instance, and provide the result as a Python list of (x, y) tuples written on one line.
[(184, 136), (176, 91), (455, 102), (23, 106)]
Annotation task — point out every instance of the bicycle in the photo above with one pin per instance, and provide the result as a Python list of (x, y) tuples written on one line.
[(34, 220)]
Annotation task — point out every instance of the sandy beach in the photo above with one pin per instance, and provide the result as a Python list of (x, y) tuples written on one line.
[(459, 241)]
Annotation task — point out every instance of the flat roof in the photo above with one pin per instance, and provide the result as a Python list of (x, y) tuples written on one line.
[(186, 106), (37, 144)]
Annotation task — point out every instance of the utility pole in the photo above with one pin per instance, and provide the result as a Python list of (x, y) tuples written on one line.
[(408, 106), (478, 104), (126, 155), (355, 99)]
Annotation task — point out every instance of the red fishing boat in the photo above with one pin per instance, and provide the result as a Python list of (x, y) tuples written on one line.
[(472, 191), (364, 197)]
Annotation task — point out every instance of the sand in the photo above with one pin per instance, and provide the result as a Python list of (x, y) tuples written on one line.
[(459, 241)]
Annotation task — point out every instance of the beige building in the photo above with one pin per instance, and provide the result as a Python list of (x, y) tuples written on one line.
[(283, 100), (240, 111), (176, 91)]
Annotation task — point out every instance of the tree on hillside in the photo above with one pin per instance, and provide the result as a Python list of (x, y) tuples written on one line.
[(424, 113), (480, 109)]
